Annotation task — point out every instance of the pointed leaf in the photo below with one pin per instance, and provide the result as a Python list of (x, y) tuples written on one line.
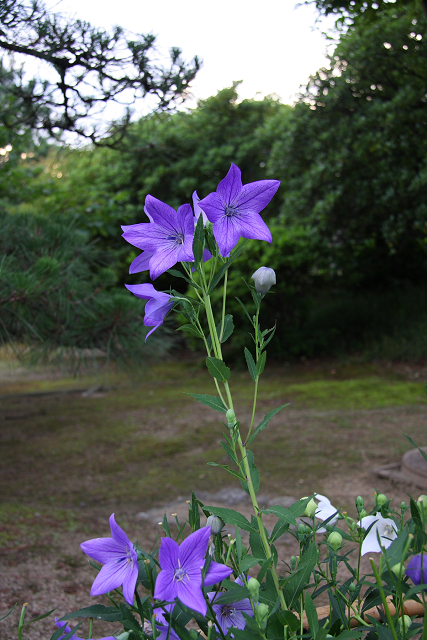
[(218, 369), (231, 517), (261, 363), (262, 425), (209, 401), (251, 364)]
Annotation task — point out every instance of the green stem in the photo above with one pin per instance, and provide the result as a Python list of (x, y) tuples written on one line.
[(224, 298), (383, 599), (21, 619), (90, 627)]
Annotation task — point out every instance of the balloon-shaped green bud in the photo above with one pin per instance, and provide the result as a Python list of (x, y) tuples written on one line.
[(404, 624), (293, 562), (335, 540), (403, 506), (359, 502), (362, 514), (231, 418), (310, 509), (216, 525), (264, 278), (398, 570), (381, 499), (253, 588), (352, 587), (261, 615), (301, 528)]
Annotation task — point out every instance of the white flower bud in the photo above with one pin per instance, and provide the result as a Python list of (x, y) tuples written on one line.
[(264, 278), (216, 524)]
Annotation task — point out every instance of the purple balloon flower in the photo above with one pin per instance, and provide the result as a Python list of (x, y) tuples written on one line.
[(119, 559), (231, 615), (166, 239), (74, 637), (181, 574), (234, 209), (414, 569), (157, 307)]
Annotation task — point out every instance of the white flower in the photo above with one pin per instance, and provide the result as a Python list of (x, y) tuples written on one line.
[(264, 278), (385, 527), (325, 510)]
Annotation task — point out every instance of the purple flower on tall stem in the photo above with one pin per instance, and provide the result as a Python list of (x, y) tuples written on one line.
[(157, 307), (74, 637), (181, 570), (234, 209), (165, 240), (416, 570), (119, 559), (231, 614)]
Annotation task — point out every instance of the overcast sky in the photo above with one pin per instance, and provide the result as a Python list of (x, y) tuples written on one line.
[(271, 45)]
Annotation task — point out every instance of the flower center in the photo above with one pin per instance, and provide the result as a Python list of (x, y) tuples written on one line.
[(180, 573), (227, 611), (230, 211), (388, 531), (128, 557), (178, 238)]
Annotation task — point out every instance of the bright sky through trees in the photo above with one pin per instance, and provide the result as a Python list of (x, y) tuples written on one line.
[(273, 46)]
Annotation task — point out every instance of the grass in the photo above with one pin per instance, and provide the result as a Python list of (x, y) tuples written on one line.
[(147, 441)]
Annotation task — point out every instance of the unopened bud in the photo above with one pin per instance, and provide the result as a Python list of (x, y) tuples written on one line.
[(253, 588), (231, 418), (403, 506), (398, 570), (261, 615), (352, 587), (422, 502), (123, 636), (335, 540), (310, 509), (404, 623), (362, 514), (293, 562), (359, 501), (381, 499), (301, 528), (216, 525), (264, 278)]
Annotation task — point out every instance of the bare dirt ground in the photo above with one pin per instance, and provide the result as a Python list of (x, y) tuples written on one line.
[(55, 494)]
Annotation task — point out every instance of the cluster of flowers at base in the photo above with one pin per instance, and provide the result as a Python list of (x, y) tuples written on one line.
[(233, 209)]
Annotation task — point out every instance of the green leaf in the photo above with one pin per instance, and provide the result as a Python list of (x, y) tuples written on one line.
[(423, 453), (245, 310), (43, 615), (227, 330), (257, 547), (394, 553), (218, 369), (289, 619), (262, 425), (9, 612), (189, 328), (248, 562), (198, 242), (280, 528), (285, 515), (98, 611), (233, 595), (226, 266), (209, 401), (251, 364), (229, 452), (227, 468), (59, 633), (313, 620), (231, 517), (261, 363), (298, 581), (178, 274)]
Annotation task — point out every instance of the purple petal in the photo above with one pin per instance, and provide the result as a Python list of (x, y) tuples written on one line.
[(162, 260), (168, 554), (184, 251), (157, 308), (190, 593), (141, 262), (227, 235), (197, 209), (252, 226), (165, 588), (244, 605), (155, 237), (193, 549), (186, 219), (229, 188), (144, 291), (129, 583), (255, 196), (216, 573), (118, 534), (62, 624), (161, 213), (139, 235), (103, 549), (213, 206), (111, 576), (160, 617)]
